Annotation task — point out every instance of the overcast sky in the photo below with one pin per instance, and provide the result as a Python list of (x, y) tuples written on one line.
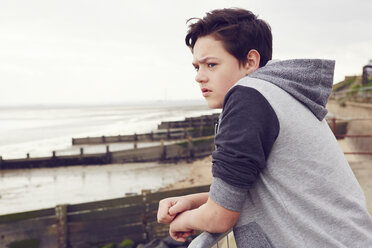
[(75, 51)]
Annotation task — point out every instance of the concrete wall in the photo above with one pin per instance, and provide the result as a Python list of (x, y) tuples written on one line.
[(359, 116)]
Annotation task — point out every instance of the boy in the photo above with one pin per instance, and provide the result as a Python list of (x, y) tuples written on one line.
[(277, 166)]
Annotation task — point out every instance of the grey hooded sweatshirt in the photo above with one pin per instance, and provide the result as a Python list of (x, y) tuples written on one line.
[(278, 163)]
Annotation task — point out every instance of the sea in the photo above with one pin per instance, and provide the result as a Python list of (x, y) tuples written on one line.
[(40, 130)]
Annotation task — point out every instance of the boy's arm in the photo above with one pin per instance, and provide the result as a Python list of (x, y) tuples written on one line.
[(209, 217), (170, 207), (247, 132)]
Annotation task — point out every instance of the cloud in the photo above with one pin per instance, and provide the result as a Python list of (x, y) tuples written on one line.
[(91, 52)]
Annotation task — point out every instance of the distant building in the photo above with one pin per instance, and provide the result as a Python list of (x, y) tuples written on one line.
[(367, 71)]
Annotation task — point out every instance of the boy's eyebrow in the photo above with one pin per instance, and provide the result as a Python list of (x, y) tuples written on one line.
[(203, 60)]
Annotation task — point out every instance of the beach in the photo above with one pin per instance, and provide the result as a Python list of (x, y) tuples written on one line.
[(200, 173), (40, 130)]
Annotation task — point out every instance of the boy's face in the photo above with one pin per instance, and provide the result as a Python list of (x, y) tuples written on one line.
[(217, 70)]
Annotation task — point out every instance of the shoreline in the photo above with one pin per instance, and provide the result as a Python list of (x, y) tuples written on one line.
[(200, 174)]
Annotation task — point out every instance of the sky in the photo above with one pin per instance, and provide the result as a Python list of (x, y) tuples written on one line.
[(93, 52)]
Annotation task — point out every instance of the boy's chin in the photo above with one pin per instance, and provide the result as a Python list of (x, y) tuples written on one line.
[(214, 105)]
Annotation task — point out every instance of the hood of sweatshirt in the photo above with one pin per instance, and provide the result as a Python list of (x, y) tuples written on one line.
[(308, 80)]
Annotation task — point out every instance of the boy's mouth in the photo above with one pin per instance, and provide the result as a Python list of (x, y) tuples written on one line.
[(205, 91)]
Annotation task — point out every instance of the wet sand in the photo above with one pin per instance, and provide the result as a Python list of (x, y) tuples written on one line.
[(32, 189), (200, 174)]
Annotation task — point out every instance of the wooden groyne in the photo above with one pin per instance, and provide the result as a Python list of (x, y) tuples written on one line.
[(158, 135), (191, 122), (187, 149), (92, 224), (167, 130)]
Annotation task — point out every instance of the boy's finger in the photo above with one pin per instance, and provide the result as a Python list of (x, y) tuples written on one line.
[(179, 236), (163, 212), (177, 208), (164, 217)]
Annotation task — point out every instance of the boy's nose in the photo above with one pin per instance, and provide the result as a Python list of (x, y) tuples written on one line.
[(200, 77)]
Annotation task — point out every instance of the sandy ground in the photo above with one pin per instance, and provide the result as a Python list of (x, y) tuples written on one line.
[(200, 174), (361, 165)]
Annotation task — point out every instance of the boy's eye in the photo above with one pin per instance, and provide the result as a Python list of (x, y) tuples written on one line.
[(211, 65), (196, 68)]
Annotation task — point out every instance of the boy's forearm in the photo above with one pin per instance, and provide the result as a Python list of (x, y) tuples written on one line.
[(197, 199), (210, 217)]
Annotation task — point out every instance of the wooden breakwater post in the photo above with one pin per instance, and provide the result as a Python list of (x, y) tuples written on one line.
[(163, 150), (169, 131), (62, 231), (185, 149), (190, 147), (1, 162), (146, 215)]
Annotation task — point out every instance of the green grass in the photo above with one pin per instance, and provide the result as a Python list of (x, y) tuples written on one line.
[(369, 83), (27, 243), (344, 84)]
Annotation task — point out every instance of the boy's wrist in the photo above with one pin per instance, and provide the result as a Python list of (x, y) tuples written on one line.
[(196, 200)]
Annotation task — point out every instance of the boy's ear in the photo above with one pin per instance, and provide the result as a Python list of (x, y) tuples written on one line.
[(253, 61)]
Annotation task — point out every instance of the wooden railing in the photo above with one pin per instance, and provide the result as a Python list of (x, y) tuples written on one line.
[(92, 224)]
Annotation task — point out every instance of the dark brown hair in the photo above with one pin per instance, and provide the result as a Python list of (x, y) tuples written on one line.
[(239, 30)]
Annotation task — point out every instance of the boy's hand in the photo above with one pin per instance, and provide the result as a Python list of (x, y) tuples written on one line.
[(170, 207), (178, 230)]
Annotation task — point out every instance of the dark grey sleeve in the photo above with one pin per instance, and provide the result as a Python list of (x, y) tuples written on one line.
[(246, 134)]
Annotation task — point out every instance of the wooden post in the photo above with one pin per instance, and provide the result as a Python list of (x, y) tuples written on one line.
[(1, 162), (190, 147), (201, 130), (334, 126), (28, 155), (81, 151), (54, 154), (163, 150), (135, 144), (103, 139), (152, 136), (62, 232), (147, 214), (168, 134), (107, 149)]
